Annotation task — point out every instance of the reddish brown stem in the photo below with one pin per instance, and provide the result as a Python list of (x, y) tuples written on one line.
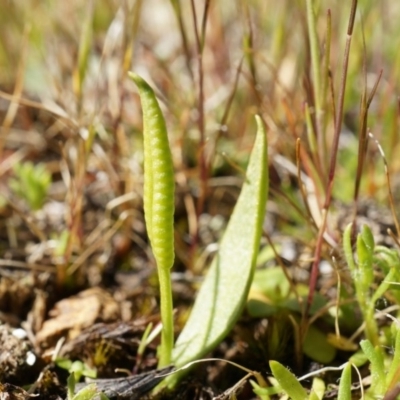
[(200, 39), (332, 165), (201, 154)]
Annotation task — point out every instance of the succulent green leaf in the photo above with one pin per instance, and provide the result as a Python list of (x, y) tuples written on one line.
[(289, 383), (368, 238), (257, 308), (71, 386), (272, 282), (262, 392), (365, 259), (358, 359), (313, 396), (317, 347), (318, 389), (395, 365), (345, 384), (89, 392), (224, 291), (383, 287), (348, 251), (377, 366)]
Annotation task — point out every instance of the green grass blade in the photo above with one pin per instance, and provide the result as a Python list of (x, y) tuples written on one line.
[(224, 291), (288, 381)]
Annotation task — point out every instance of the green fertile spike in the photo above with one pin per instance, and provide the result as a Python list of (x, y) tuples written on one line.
[(158, 178), (159, 206)]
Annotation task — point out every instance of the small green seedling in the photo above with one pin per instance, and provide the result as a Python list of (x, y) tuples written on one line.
[(78, 368), (148, 336), (368, 257), (89, 392), (387, 260), (31, 183), (375, 357), (146, 339), (61, 243), (385, 372), (285, 382), (393, 375)]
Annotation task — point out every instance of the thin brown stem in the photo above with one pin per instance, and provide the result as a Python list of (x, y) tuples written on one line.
[(363, 136), (309, 221), (225, 116), (391, 198), (333, 98), (363, 141), (178, 12), (201, 124), (300, 183), (19, 84), (322, 150), (249, 39), (204, 23), (279, 260)]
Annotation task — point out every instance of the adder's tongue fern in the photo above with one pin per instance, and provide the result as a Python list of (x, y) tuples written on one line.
[(158, 205)]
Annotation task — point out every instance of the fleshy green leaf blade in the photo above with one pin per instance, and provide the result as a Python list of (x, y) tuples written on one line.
[(71, 386), (288, 381), (224, 291), (368, 238), (395, 365), (317, 347), (348, 251), (87, 393), (365, 262), (313, 396), (318, 389), (377, 366), (345, 384), (261, 392)]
